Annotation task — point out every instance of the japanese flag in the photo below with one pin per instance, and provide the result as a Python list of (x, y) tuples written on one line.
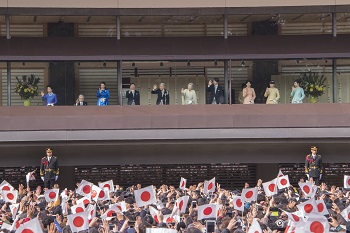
[(32, 226), (238, 203), (270, 188), (84, 200), (346, 213), (316, 223), (30, 176), (84, 188), (51, 195), (255, 227), (78, 208), (209, 186), (6, 226), (181, 203), (14, 210), (290, 228), (16, 224), (98, 194), (307, 207), (306, 188), (10, 196), (119, 207), (321, 207), (78, 222), (283, 182), (107, 185), (207, 211), (250, 194), (154, 212), (91, 209), (346, 182), (280, 173), (168, 218), (5, 186), (183, 182), (145, 196), (108, 215)]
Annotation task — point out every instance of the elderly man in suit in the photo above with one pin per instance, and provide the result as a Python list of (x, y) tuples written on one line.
[(216, 92), (133, 95), (49, 170), (314, 166), (163, 94)]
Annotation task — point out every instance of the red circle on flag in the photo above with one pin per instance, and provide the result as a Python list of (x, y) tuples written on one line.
[(109, 214), (10, 196), (78, 221), (93, 193), (283, 181), (256, 232), (18, 224), (91, 213), (156, 218), (14, 210), (207, 211), (249, 194), (272, 187), (86, 189), (27, 231), (306, 189), (238, 202), (101, 194), (183, 184), (119, 207), (107, 186), (79, 210), (295, 217), (86, 201), (348, 216), (181, 204), (6, 188), (348, 181), (168, 220), (145, 196), (210, 186), (320, 207), (308, 208), (316, 227), (52, 195)]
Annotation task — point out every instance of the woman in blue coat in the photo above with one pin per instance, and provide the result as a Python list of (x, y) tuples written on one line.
[(102, 95)]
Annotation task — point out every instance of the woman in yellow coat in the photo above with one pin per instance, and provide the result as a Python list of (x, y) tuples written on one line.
[(272, 94)]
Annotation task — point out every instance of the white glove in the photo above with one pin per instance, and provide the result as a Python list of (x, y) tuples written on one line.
[(42, 178), (308, 177), (56, 177), (320, 176)]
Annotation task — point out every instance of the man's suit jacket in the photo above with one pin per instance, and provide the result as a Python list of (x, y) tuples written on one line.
[(219, 94), (165, 97), (133, 97), (52, 165), (313, 167)]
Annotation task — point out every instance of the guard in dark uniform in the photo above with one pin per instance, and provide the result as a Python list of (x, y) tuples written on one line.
[(49, 170), (313, 165)]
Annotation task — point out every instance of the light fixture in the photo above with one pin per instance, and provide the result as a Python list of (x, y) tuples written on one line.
[(243, 63), (104, 64), (215, 63), (188, 63), (161, 63), (133, 63), (23, 63), (78, 63)]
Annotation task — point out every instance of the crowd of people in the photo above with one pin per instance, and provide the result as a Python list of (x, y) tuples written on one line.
[(216, 94)]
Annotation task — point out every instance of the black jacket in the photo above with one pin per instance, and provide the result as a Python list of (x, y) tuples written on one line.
[(219, 94), (78, 104), (49, 169), (133, 97), (313, 167), (165, 97)]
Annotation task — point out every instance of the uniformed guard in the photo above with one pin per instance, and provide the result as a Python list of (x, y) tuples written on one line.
[(49, 170), (313, 165)]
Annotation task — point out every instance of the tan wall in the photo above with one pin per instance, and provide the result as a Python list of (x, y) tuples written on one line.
[(164, 4)]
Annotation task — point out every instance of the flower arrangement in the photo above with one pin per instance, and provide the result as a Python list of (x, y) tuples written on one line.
[(313, 84), (27, 87)]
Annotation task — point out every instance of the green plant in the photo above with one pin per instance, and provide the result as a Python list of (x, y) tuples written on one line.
[(313, 84), (27, 87)]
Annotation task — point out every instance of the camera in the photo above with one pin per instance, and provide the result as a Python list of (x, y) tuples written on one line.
[(194, 204), (210, 226)]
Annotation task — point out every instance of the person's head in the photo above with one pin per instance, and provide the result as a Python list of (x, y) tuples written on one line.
[(297, 83), (162, 86), (272, 83), (291, 203), (49, 89), (313, 150), (247, 84), (103, 86), (216, 81), (132, 86), (81, 98), (48, 152), (190, 86)]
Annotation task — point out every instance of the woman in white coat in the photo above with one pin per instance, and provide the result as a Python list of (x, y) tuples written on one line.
[(189, 95)]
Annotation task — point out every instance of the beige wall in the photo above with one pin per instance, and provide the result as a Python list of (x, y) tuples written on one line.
[(164, 4)]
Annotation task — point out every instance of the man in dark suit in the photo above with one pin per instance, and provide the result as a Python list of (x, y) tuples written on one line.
[(49, 170), (216, 92), (133, 95), (163, 94), (80, 101), (314, 166)]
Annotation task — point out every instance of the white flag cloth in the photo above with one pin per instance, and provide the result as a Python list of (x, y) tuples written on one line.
[(32, 226), (98, 194), (280, 173), (316, 223), (270, 187), (346, 213), (78, 222), (30, 176), (183, 182), (119, 207), (296, 216), (6, 226), (84, 200), (209, 186), (307, 207), (283, 182), (181, 203), (321, 207), (107, 185), (168, 218), (51, 195), (10, 196), (290, 228), (238, 203), (85, 188), (207, 211), (78, 208), (306, 188), (5, 186), (108, 215), (14, 210), (91, 209), (145, 196), (250, 194), (346, 182), (154, 212), (255, 227)]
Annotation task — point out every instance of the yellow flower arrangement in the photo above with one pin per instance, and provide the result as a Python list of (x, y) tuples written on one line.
[(313, 84), (27, 87)]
